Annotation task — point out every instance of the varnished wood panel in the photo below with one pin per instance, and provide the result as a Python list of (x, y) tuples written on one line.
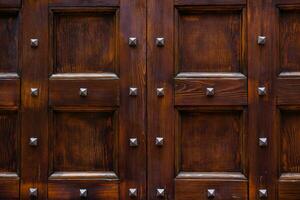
[(209, 2), (100, 92), (205, 137), (9, 138), (290, 141), (197, 189), (9, 92), (289, 190), (286, 89), (84, 41), (9, 39), (66, 190), (210, 40), (10, 3), (84, 141), (289, 40), (9, 189), (227, 91), (91, 3)]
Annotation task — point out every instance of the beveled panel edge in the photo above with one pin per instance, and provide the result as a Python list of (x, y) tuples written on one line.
[(234, 75), (209, 2), (211, 175), (83, 176), (84, 76), (289, 75), (289, 177), (9, 176), (93, 3)]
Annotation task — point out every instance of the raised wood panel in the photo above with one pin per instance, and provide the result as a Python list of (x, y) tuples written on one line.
[(66, 190), (8, 142), (85, 41), (197, 189), (286, 89), (290, 141), (90, 3), (9, 92), (9, 189), (101, 92), (228, 91), (10, 3), (289, 190), (209, 2), (210, 40), (84, 141), (9, 38), (205, 136), (289, 40)]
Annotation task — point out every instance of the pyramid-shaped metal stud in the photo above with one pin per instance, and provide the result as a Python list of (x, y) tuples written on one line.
[(159, 141), (261, 91), (33, 192), (210, 92), (133, 91), (133, 142), (160, 92), (132, 192), (83, 193), (132, 41), (263, 142), (33, 141), (83, 92), (34, 43), (34, 92), (160, 41), (263, 193), (160, 192), (211, 193), (261, 40)]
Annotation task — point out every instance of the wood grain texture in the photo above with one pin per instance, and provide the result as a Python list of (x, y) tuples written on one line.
[(91, 3), (9, 92), (197, 189), (227, 91), (10, 3), (209, 2), (66, 190), (286, 88), (289, 190), (9, 189)]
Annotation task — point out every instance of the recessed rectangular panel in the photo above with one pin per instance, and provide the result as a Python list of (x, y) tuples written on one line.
[(210, 41), (9, 189), (210, 2), (8, 141), (9, 42), (210, 141), (289, 40), (290, 141), (84, 42), (84, 141), (84, 3), (289, 190)]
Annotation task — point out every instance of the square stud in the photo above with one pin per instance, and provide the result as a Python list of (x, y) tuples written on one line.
[(83, 92), (132, 192), (211, 193), (263, 142), (210, 92), (33, 192), (160, 41), (160, 192), (263, 193), (159, 141), (132, 41), (261, 40), (133, 91), (133, 142), (33, 141), (34, 43), (83, 193), (261, 91), (34, 92), (160, 92)]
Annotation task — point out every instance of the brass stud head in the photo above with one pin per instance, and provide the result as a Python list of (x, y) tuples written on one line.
[(34, 43), (133, 142), (160, 92), (211, 193), (263, 193), (83, 193), (261, 91), (160, 41), (132, 192), (33, 141), (160, 192), (159, 141), (133, 91), (210, 92), (261, 40), (33, 192), (83, 92), (34, 92), (263, 142), (132, 41)]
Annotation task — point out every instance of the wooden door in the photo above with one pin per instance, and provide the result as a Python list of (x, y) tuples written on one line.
[(73, 104)]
